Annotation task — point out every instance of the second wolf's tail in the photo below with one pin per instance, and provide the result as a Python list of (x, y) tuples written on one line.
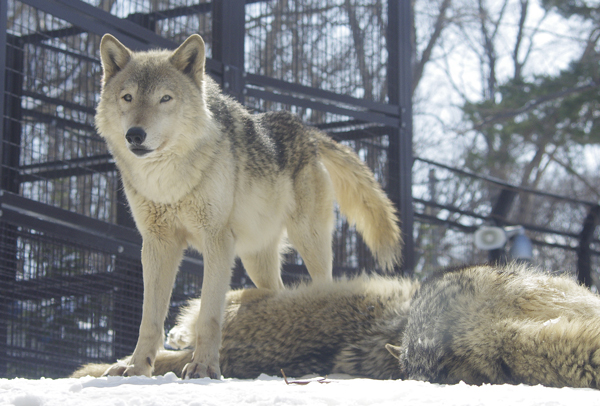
[(363, 201)]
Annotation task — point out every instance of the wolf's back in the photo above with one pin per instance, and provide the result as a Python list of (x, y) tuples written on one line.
[(363, 201)]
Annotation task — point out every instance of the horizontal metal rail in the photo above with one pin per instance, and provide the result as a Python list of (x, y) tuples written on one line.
[(66, 168), (88, 18), (277, 84), (107, 237), (505, 184)]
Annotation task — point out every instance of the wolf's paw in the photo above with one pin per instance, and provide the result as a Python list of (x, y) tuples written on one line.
[(117, 369), (179, 338), (121, 368), (135, 370), (195, 370)]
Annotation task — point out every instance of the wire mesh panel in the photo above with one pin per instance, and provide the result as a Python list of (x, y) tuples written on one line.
[(62, 303), (58, 158), (332, 45), (172, 19)]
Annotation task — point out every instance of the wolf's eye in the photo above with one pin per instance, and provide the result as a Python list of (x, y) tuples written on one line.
[(165, 98), (128, 97)]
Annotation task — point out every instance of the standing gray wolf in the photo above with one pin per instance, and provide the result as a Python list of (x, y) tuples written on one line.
[(199, 170), (479, 324)]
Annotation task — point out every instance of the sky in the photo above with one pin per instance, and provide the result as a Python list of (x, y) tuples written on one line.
[(454, 74)]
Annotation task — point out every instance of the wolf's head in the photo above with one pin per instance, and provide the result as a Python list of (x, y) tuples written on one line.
[(152, 102)]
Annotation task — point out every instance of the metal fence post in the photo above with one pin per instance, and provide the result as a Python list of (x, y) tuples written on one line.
[(399, 72), (11, 83), (498, 217), (3, 44), (584, 252), (5, 276), (11, 129), (228, 31)]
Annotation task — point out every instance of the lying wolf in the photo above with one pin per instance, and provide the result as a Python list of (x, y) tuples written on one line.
[(199, 170), (478, 324)]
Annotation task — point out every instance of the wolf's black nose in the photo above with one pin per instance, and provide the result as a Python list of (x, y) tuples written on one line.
[(135, 136)]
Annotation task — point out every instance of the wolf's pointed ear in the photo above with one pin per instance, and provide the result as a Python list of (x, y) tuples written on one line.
[(114, 56), (189, 58), (394, 350)]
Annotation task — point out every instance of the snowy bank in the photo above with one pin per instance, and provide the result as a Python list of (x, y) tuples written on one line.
[(169, 390)]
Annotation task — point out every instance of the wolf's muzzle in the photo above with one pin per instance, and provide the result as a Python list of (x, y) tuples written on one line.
[(135, 137)]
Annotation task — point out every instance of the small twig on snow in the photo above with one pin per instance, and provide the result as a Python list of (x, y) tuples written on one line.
[(319, 380)]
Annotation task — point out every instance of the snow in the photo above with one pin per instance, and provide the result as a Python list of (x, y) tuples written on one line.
[(170, 390)]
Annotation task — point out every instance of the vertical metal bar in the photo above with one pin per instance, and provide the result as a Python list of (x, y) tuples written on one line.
[(498, 216), (3, 45), (228, 32), (399, 71), (145, 20), (11, 133), (584, 252), (8, 238)]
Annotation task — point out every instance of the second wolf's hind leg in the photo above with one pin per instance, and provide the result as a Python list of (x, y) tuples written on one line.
[(263, 267), (310, 226), (559, 352)]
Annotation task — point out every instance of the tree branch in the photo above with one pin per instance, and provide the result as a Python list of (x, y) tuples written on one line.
[(518, 65), (359, 43), (438, 27), (572, 171), (533, 103)]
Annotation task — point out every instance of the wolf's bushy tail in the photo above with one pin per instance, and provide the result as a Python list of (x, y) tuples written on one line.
[(363, 201)]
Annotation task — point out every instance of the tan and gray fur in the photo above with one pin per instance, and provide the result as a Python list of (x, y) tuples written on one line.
[(503, 325), (199, 171), (341, 327), (480, 324)]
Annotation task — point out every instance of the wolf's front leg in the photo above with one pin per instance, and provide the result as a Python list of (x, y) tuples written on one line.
[(218, 261), (160, 261)]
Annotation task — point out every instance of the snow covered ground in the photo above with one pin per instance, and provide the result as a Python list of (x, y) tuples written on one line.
[(169, 390)]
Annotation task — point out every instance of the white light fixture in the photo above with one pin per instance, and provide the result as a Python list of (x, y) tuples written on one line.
[(492, 238)]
